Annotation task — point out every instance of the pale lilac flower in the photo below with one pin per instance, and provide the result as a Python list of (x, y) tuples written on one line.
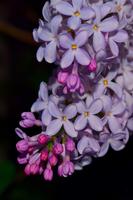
[(76, 11), (46, 12), (98, 28), (112, 113), (120, 37), (88, 144), (62, 118), (50, 37), (130, 124), (115, 140), (107, 82), (74, 50), (88, 113)]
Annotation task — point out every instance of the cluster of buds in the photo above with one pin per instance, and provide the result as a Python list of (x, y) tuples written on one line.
[(87, 107)]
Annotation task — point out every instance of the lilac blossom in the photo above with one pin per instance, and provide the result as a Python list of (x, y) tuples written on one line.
[(88, 113), (107, 82), (112, 111), (62, 118), (74, 50), (76, 11), (115, 140)]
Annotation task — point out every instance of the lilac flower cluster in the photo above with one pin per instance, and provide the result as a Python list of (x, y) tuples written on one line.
[(87, 106)]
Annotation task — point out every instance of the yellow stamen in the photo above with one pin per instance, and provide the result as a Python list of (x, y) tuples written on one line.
[(105, 82), (95, 27), (74, 46), (109, 113), (86, 114), (77, 14), (64, 118)]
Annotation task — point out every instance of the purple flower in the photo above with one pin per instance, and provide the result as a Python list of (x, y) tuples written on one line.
[(106, 83), (88, 113), (115, 140), (50, 37), (48, 174), (112, 113), (99, 27), (66, 169), (62, 118), (76, 11), (74, 50), (88, 144)]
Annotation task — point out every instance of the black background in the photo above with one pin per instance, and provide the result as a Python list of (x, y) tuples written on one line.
[(107, 178)]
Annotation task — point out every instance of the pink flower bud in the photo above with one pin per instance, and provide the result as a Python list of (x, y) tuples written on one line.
[(28, 120), (34, 169), (42, 139), (70, 145), (48, 174), (60, 170), (44, 155), (22, 160), (28, 115), (27, 169), (53, 160), (58, 148), (92, 66), (22, 146), (62, 77), (68, 168)]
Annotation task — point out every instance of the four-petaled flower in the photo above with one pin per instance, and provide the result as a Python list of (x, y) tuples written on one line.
[(76, 11), (88, 113), (62, 118), (74, 50)]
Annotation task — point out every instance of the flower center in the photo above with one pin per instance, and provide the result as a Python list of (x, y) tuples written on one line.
[(86, 114), (119, 8), (77, 14), (105, 82), (109, 114), (74, 46), (95, 27), (64, 118)]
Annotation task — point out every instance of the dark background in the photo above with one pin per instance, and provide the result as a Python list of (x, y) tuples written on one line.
[(110, 177)]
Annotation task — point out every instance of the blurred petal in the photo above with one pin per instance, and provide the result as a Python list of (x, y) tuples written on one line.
[(66, 41), (87, 13), (114, 124), (77, 4), (65, 8), (67, 59), (45, 35), (20, 133), (89, 100), (98, 41), (94, 145), (99, 91), (118, 108), (105, 9), (40, 54), (130, 124), (53, 110), (81, 106), (38, 106), (86, 160), (82, 144), (111, 75), (56, 23), (104, 149), (113, 47), (80, 122), (74, 22), (50, 52), (81, 38), (82, 57), (117, 145), (95, 123), (116, 88), (53, 127), (121, 36), (46, 11), (107, 103), (70, 111), (43, 92), (96, 106), (46, 117), (69, 128), (109, 24)]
